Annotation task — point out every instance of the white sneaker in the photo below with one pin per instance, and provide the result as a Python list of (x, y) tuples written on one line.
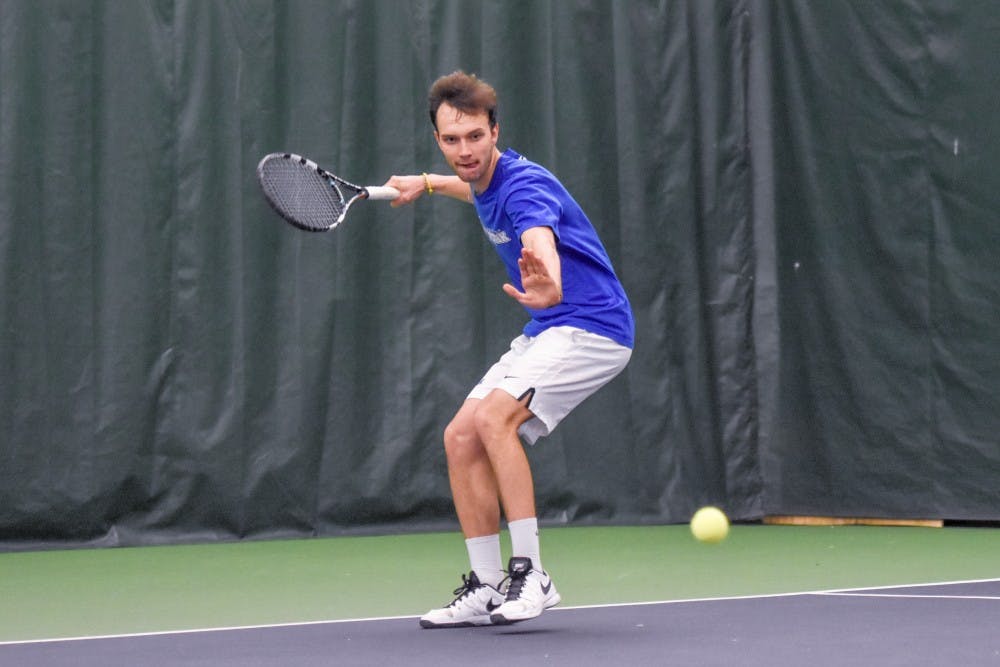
[(529, 593), (473, 606)]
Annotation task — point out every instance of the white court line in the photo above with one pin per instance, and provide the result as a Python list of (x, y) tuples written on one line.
[(925, 597), (854, 590), (887, 588), (264, 626), (191, 631)]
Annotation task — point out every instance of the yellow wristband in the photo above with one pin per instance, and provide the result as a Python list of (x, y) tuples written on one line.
[(427, 184)]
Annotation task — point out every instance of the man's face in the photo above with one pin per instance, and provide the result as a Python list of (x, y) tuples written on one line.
[(468, 144)]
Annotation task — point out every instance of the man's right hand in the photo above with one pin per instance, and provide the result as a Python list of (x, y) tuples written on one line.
[(410, 188)]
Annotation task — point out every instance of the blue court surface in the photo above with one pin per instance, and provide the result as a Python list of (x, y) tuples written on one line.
[(954, 623)]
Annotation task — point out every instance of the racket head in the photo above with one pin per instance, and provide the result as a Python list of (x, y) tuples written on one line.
[(305, 194)]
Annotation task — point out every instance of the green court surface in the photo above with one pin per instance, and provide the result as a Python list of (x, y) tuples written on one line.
[(91, 592)]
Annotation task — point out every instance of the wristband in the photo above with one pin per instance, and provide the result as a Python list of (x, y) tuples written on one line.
[(427, 184)]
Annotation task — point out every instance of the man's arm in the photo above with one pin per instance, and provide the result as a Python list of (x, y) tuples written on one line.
[(412, 187), (541, 273)]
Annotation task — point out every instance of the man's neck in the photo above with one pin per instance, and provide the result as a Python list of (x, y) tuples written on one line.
[(483, 184)]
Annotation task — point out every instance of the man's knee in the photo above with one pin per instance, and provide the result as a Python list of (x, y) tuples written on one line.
[(461, 443), (498, 416)]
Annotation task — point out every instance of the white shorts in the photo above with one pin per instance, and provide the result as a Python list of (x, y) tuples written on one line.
[(555, 370)]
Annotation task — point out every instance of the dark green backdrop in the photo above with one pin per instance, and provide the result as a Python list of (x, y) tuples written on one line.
[(800, 197)]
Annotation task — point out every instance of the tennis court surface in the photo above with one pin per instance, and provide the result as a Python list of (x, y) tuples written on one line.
[(742, 603)]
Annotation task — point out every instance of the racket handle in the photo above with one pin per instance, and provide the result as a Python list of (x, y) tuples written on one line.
[(381, 192)]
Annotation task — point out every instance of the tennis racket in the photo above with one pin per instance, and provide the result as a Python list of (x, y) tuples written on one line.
[(308, 196)]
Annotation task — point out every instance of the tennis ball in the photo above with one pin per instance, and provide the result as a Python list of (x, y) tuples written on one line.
[(709, 524)]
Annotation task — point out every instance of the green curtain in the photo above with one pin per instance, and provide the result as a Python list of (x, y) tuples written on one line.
[(880, 179), (799, 197)]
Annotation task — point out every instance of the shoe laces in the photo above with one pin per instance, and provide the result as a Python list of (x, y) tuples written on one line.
[(516, 582), (469, 585)]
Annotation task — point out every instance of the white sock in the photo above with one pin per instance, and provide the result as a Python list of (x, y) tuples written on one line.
[(484, 557), (524, 541)]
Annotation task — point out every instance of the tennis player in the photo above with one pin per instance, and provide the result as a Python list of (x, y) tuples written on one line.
[(579, 337)]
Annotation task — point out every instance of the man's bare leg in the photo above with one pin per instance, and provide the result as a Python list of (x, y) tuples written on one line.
[(497, 419), (474, 487)]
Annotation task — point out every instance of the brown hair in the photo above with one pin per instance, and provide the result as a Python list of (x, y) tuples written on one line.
[(466, 93)]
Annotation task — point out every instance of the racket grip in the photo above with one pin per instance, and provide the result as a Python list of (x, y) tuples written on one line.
[(381, 192)]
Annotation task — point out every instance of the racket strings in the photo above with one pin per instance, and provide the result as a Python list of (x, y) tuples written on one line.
[(302, 194)]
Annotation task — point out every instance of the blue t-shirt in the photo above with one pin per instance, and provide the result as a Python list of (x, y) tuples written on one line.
[(522, 195)]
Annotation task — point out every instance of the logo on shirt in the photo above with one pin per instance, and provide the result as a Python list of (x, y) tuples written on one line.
[(497, 236)]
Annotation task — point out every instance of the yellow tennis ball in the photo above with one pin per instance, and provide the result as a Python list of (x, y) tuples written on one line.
[(709, 524)]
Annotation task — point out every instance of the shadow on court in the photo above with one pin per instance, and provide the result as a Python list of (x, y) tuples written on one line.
[(946, 624)]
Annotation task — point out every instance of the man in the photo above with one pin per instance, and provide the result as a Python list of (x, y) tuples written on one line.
[(580, 337)]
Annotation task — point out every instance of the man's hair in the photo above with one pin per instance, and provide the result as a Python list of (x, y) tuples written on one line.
[(466, 93)]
